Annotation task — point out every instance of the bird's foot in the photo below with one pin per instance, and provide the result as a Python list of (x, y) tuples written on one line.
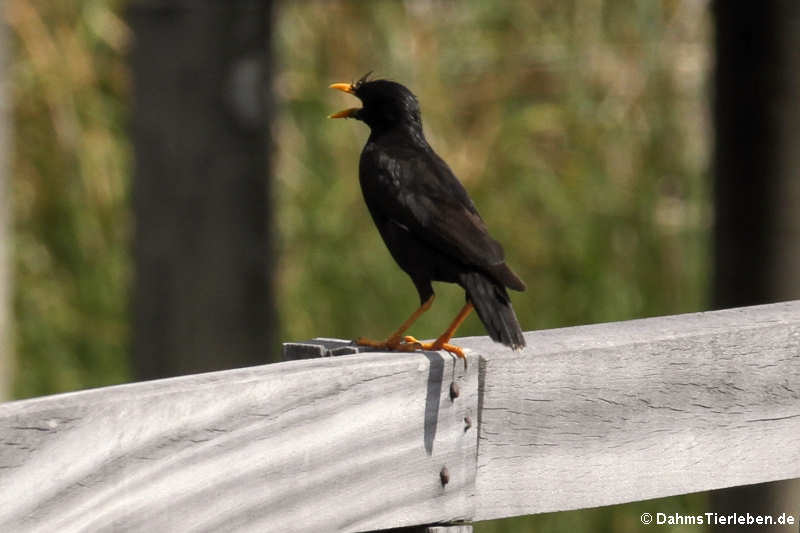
[(435, 346), (411, 344), (392, 344)]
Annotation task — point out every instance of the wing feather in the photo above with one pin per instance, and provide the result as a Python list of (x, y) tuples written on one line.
[(423, 195)]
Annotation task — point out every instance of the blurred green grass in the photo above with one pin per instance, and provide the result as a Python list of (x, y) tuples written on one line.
[(579, 128), (70, 177)]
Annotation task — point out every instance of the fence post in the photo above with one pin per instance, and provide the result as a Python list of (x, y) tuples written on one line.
[(325, 347)]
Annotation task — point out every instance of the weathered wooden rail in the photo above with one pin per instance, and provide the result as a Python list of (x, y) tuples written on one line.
[(585, 416)]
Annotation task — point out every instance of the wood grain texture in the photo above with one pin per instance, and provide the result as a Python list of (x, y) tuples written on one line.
[(612, 413), (345, 444), (585, 416), (327, 347)]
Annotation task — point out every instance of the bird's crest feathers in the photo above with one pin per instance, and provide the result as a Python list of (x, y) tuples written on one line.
[(364, 79)]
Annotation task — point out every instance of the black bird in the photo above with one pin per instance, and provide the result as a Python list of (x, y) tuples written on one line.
[(426, 218)]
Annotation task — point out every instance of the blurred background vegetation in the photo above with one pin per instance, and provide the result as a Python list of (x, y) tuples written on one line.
[(579, 127), (69, 191)]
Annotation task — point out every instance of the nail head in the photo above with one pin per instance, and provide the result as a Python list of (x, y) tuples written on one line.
[(454, 391)]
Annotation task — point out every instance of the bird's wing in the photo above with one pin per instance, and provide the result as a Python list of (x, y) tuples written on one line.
[(419, 192)]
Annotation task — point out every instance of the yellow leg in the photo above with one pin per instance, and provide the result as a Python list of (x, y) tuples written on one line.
[(395, 340), (442, 343)]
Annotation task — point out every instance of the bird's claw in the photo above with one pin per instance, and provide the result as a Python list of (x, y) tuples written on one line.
[(408, 340), (436, 346), (410, 344)]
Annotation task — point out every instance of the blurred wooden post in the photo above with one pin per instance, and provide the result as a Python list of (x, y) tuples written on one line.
[(757, 163), (203, 295), (757, 184), (6, 346)]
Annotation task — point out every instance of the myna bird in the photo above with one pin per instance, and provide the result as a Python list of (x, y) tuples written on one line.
[(427, 220)]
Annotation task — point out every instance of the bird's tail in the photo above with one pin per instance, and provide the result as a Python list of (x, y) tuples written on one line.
[(493, 305)]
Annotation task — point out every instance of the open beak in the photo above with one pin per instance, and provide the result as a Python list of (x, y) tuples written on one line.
[(347, 113)]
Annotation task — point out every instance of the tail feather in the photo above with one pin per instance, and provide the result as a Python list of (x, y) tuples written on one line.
[(493, 305)]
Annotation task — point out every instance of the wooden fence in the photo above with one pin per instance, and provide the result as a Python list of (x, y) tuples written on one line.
[(585, 416)]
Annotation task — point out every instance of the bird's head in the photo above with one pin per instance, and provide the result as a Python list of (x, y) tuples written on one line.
[(385, 104)]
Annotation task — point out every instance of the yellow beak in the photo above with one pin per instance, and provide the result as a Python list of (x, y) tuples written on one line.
[(347, 113), (348, 88)]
